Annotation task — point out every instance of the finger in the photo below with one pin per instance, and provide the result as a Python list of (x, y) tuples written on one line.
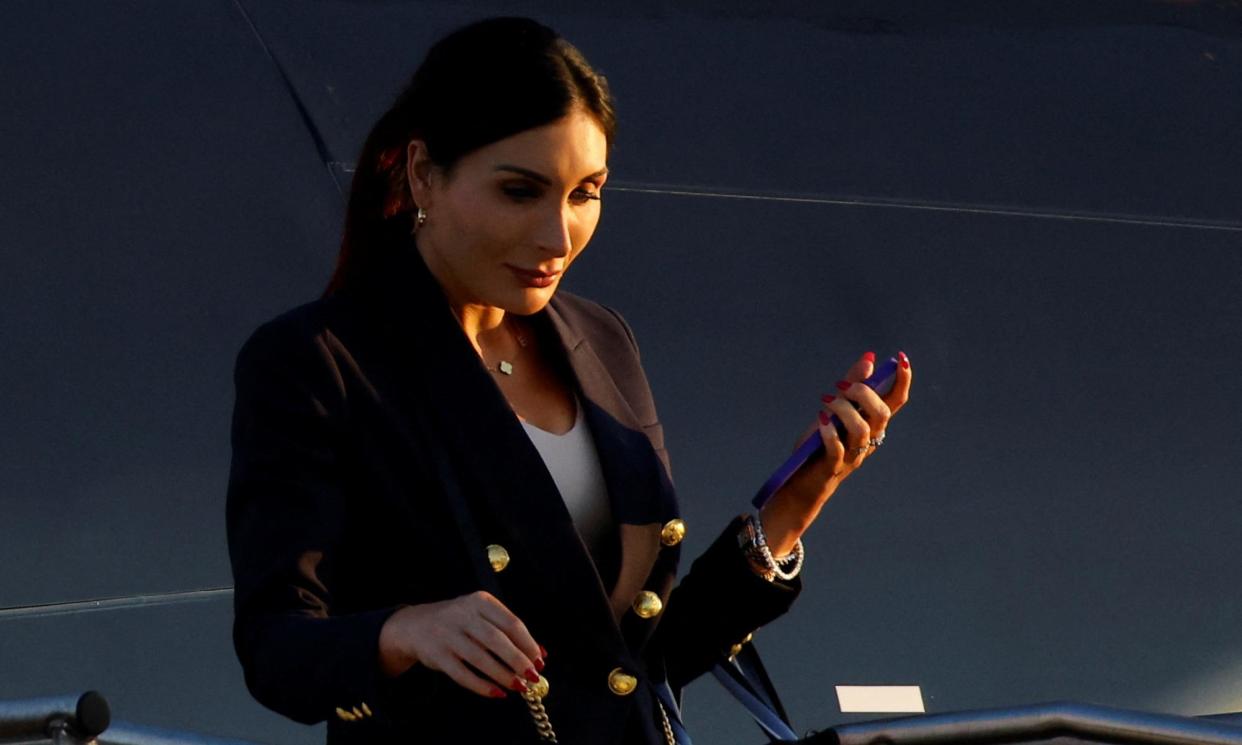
[(900, 393), (499, 646), (470, 651), (862, 369), (463, 676), (824, 400), (870, 406), (834, 449), (511, 626), (858, 433)]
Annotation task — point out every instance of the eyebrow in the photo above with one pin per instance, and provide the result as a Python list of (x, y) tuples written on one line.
[(536, 176)]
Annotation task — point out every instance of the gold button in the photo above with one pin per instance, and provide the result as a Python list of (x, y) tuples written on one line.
[(366, 709), (621, 683), (538, 689), (647, 604), (672, 532), (498, 557), (348, 716), (357, 713)]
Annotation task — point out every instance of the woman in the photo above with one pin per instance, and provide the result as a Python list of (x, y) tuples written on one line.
[(450, 513)]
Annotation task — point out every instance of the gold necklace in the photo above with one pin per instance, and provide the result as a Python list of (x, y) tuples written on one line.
[(505, 367)]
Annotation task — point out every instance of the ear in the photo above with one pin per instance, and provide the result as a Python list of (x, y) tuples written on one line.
[(419, 171)]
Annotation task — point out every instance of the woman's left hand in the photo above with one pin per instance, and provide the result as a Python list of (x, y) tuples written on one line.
[(865, 416)]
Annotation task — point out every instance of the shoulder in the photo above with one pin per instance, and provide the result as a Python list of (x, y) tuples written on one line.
[(596, 322), (296, 347), (303, 327)]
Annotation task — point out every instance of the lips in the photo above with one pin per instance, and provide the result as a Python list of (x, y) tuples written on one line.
[(534, 277)]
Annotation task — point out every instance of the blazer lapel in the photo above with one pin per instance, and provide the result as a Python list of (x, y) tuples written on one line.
[(629, 465)]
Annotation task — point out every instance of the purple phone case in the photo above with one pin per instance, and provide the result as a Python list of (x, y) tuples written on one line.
[(881, 381)]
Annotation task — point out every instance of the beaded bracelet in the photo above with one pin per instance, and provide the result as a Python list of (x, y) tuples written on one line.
[(755, 545)]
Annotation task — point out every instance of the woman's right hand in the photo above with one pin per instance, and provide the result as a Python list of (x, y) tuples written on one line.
[(464, 637)]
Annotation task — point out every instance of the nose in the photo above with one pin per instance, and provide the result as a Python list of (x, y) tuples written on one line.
[(554, 233)]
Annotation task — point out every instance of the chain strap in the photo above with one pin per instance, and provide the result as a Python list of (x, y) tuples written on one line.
[(668, 726), (533, 696)]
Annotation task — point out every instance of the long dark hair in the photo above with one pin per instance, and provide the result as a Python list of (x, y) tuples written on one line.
[(480, 84)]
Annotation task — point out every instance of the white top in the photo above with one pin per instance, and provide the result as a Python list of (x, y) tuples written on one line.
[(573, 461)]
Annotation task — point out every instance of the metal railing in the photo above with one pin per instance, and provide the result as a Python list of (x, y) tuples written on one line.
[(1067, 722), (85, 720)]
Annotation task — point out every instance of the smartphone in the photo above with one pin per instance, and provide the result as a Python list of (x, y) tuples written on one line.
[(881, 381)]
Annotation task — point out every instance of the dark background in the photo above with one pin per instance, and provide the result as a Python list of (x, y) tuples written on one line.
[(1038, 202)]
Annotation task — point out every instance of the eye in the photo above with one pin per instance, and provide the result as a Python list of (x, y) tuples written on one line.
[(582, 196), (521, 192)]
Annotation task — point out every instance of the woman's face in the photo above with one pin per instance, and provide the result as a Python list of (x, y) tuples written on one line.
[(511, 217)]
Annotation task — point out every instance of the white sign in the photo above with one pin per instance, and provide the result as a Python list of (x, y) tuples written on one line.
[(880, 699)]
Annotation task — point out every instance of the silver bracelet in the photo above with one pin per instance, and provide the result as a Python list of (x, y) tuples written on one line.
[(755, 544)]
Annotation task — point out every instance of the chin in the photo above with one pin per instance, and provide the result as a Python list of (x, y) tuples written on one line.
[(530, 307), (532, 301)]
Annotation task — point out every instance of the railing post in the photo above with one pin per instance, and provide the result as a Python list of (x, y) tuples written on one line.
[(64, 720)]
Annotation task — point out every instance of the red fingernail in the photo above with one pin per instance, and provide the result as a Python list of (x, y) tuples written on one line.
[(532, 676), (869, 356), (823, 418), (497, 693), (517, 684), (542, 652), (539, 664), (843, 386), (827, 398), (905, 361)]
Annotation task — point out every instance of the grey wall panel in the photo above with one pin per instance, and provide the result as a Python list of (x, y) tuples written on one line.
[(1052, 108), (160, 198), (169, 666), (1052, 517)]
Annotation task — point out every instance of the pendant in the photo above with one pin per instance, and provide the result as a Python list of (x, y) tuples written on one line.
[(505, 367)]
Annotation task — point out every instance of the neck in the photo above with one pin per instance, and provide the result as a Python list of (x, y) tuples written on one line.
[(482, 324)]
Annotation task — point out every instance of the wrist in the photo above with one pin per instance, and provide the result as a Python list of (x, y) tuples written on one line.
[(754, 545), (394, 657), (781, 528)]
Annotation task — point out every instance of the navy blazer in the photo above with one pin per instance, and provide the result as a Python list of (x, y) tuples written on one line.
[(374, 459)]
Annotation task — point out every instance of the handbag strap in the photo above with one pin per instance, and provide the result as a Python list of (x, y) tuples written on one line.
[(745, 678)]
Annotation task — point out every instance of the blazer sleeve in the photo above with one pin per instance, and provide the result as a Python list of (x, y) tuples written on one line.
[(285, 516), (717, 604), (720, 601)]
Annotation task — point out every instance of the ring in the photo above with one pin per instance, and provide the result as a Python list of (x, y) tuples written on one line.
[(878, 441), (860, 450)]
